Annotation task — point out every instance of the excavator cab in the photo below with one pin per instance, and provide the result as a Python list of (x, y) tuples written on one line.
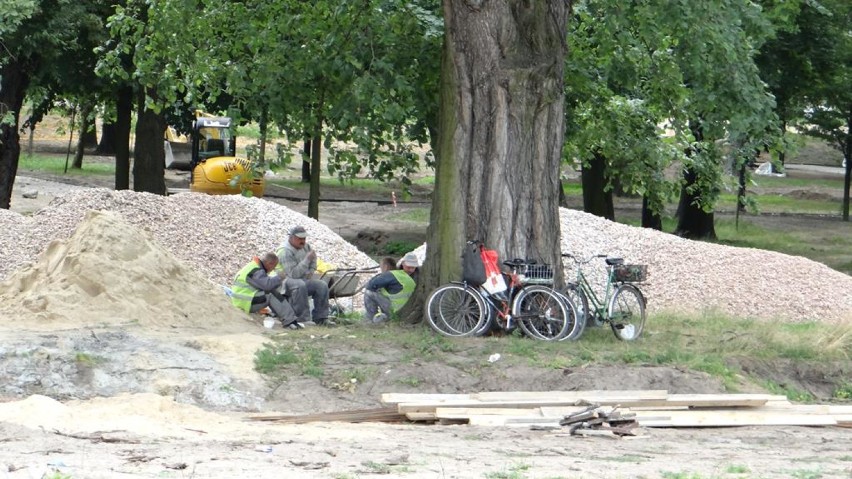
[(215, 167)]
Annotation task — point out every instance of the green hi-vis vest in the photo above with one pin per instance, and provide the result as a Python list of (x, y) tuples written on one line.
[(241, 292), (399, 299)]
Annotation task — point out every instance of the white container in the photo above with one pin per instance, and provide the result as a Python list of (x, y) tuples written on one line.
[(268, 323)]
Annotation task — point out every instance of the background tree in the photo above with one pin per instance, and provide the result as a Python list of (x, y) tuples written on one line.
[(500, 135), (39, 40), (829, 115)]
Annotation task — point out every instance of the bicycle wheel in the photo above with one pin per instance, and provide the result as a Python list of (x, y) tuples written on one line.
[(581, 306), (456, 310), (627, 312), (542, 313)]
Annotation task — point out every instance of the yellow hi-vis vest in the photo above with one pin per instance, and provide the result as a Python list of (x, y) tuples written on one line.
[(241, 292), (399, 299)]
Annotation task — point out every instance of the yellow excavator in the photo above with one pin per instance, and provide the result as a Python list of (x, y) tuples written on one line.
[(215, 167)]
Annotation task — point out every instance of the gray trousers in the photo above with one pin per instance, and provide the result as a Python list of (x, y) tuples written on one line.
[(298, 291), (279, 305), (375, 302)]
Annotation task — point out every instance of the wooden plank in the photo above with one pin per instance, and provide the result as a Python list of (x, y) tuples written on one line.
[(421, 416), (464, 412), (731, 418), (405, 408), (511, 421), (711, 400), (571, 396), (396, 398)]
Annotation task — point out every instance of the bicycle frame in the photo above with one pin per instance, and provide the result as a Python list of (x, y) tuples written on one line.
[(598, 306)]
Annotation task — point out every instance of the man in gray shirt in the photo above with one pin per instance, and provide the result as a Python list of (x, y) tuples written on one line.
[(299, 261)]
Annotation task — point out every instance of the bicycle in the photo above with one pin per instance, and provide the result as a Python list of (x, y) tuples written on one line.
[(622, 305), (459, 309)]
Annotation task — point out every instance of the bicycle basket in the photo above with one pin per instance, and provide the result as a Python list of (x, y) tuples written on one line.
[(631, 273), (536, 274)]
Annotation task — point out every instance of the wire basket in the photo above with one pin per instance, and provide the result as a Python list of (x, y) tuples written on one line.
[(631, 273), (536, 274)]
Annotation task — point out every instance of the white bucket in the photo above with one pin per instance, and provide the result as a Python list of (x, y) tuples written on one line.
[(268, 323)]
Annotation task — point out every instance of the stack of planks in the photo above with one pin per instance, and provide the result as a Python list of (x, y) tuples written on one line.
[(649, 408)]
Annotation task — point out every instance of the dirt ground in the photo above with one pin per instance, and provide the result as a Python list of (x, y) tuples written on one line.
[(134, 401)]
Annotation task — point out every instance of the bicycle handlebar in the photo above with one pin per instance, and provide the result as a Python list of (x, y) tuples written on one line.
[(581, 261)]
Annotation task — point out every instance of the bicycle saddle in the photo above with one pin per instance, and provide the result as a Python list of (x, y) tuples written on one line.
[(614, 261)]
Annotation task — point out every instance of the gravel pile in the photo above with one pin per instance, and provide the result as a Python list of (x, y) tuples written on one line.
[(217, 234), (697, 277)]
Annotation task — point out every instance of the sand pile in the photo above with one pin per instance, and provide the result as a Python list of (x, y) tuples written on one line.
[(110, 272)]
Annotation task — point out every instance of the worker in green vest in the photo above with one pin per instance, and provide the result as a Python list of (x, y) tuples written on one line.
[(388, 291), (254, 289)]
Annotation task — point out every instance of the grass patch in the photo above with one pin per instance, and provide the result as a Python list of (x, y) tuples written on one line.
[(87, 359), (516, 471), (735, 469), (274, 358), (414, 215), (792, 394), (56, 165)]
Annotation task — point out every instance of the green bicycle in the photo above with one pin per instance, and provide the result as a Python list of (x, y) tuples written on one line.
[(622, 305)]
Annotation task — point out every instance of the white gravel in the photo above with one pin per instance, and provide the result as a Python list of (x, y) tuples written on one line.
[(217, 234)]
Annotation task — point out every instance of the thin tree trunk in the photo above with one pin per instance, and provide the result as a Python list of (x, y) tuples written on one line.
[(314, 196), (596, 199), (264, 126), (121, 145), (306, 161), (85, 135), (847, 155), (500, 136), (149, 157), (13, 88)]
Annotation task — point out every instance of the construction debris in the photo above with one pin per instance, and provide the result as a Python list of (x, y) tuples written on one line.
[(589, 413)]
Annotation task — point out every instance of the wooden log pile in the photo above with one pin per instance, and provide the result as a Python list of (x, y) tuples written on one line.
[(598, 420)]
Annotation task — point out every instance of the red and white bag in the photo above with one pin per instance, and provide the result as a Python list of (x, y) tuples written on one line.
[(494, 281)]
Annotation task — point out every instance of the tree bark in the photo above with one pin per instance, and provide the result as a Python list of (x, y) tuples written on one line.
[(693, 222), (14, 81), (106, 147), (149, 157), (500, 136), (88, 128), (314, 195), (85, 138), (306, 161), (596, 199), (121, 145), (847, 155), (649, 218)]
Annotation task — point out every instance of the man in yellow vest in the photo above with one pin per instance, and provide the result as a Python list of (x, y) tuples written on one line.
[(254, 289), (388, 291)]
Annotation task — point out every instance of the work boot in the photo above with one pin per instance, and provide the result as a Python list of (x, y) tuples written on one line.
[(380, 318), (325, 322)]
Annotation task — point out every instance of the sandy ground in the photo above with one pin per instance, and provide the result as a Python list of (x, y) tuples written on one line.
[(194, 389)]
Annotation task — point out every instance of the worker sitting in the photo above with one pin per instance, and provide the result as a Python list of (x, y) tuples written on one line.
[(299, 262), (388, 291), (254, 289)]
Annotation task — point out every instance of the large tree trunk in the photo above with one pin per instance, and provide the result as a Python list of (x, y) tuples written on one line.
[(13, 88), (500, 136), (596, 199), (106, 146), (149, 157), (121, 145)]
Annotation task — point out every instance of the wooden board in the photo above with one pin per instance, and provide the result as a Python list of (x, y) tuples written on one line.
[(730, 418)]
